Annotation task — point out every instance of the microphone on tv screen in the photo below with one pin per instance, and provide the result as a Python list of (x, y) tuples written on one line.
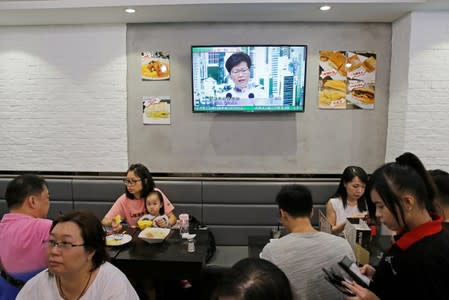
[(228, 96), (251, 96)]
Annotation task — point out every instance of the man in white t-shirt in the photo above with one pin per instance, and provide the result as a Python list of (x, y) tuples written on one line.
[(303, 252)]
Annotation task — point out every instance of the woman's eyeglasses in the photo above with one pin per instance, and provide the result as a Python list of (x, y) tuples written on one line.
[(61, 245), (237, 71), (127, 181)]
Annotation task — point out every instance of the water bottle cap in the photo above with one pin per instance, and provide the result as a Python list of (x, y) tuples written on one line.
[(184, 217)]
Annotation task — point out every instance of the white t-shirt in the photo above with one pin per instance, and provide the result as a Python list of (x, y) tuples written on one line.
[(110, 283), (343, 213)]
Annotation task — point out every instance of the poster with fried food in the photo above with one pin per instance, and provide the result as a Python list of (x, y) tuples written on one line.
[(352, 73), (155, 65), (156, 110)]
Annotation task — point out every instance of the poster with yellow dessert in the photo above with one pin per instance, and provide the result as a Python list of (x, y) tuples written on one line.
[(155, 65), (347, 80), (156, 110)]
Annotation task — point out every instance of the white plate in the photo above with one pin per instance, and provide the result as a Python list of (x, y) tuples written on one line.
[(110, 241), (161, 234)]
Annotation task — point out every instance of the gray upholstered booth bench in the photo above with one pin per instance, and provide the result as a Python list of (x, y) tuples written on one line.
[(233, 209)]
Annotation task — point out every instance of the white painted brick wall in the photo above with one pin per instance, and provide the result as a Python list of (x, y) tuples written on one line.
[(425, 128), (63, 98)]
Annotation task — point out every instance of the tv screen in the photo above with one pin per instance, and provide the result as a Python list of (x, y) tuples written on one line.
[(248, 78)]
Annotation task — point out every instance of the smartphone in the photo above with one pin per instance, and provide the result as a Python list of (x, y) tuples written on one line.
[(336, 281), (353, 270)]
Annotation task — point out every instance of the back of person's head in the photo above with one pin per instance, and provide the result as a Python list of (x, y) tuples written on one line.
[(405, 176), (237, 58), (21, 187), (254, 279), (296, 200), (145, 176), (92, 233), (349, 173), (441, 179)]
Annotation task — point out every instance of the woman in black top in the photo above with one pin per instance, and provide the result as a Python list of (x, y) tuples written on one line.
[(417, 265)]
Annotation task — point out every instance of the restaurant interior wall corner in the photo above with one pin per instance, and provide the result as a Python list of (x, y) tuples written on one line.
[(63, 98), (426, 103)]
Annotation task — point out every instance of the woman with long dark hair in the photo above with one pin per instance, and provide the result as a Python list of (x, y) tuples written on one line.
[(417, 265), (131, 205), (349, 199)]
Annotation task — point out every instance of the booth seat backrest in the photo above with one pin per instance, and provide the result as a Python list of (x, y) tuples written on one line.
[(236, 210), (96, 195), (3, 206), (186, 196)]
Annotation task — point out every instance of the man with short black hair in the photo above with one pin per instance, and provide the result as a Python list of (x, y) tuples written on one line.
[(22, 232), (303, 252)]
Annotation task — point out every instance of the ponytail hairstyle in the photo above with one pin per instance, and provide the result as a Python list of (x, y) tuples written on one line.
[(406, 175)]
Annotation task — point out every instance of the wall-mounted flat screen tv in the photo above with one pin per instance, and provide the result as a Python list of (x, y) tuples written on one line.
[(248, 78)]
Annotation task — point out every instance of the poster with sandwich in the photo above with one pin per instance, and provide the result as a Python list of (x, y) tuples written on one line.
[(156, 110), (347, 80)]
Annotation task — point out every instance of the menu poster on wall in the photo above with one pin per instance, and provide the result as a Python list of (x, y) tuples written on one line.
[(347, 80), (155, 65), (156, 110)]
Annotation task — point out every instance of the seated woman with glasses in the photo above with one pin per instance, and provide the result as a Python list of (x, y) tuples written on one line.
[(77, 267), (238, 66), (131, 205)]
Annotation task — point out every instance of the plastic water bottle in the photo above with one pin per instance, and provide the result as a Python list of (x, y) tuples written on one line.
[(183, 224), (191, 245)]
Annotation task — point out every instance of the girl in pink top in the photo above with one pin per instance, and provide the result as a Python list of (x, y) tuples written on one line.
[(131, 205)]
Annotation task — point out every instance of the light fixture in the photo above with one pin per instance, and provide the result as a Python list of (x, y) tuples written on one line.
[(325, 7), (130, 10)]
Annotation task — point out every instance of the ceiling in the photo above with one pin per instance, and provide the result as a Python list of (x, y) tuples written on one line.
[(42, 12)]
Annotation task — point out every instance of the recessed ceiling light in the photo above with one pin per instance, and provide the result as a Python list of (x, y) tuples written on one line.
[(130, 10), (325, 7)]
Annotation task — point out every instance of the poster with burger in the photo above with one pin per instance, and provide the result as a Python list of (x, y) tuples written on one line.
[(350, 72)]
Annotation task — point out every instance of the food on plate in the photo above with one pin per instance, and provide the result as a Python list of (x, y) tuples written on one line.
[(117, 219), (365, 95), (354, 62), (336, 60), (142, 224), (157, 110), (113, 242), (155, 69), (333, 90), (155, 234), (370, 64)]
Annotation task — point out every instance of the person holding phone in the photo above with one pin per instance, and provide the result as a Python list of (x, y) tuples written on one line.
[(349, 199), (417, 265)]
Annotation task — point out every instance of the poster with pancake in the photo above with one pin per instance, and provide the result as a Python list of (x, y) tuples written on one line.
[(347, 79), (155, 65), (156, 110)]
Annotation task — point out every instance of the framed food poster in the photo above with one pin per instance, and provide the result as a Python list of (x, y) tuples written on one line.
[(347, 80), (156, 110), (155, 65)]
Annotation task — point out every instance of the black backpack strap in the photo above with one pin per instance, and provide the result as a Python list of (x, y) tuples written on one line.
[(11, 280)]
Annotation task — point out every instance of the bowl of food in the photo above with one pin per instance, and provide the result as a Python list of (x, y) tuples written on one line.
[(154, 235)]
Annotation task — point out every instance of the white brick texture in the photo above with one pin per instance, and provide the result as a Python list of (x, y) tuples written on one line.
[(63, 98), (418, 117)]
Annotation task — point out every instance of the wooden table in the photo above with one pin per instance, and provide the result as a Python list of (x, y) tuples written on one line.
[(166, 260)]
